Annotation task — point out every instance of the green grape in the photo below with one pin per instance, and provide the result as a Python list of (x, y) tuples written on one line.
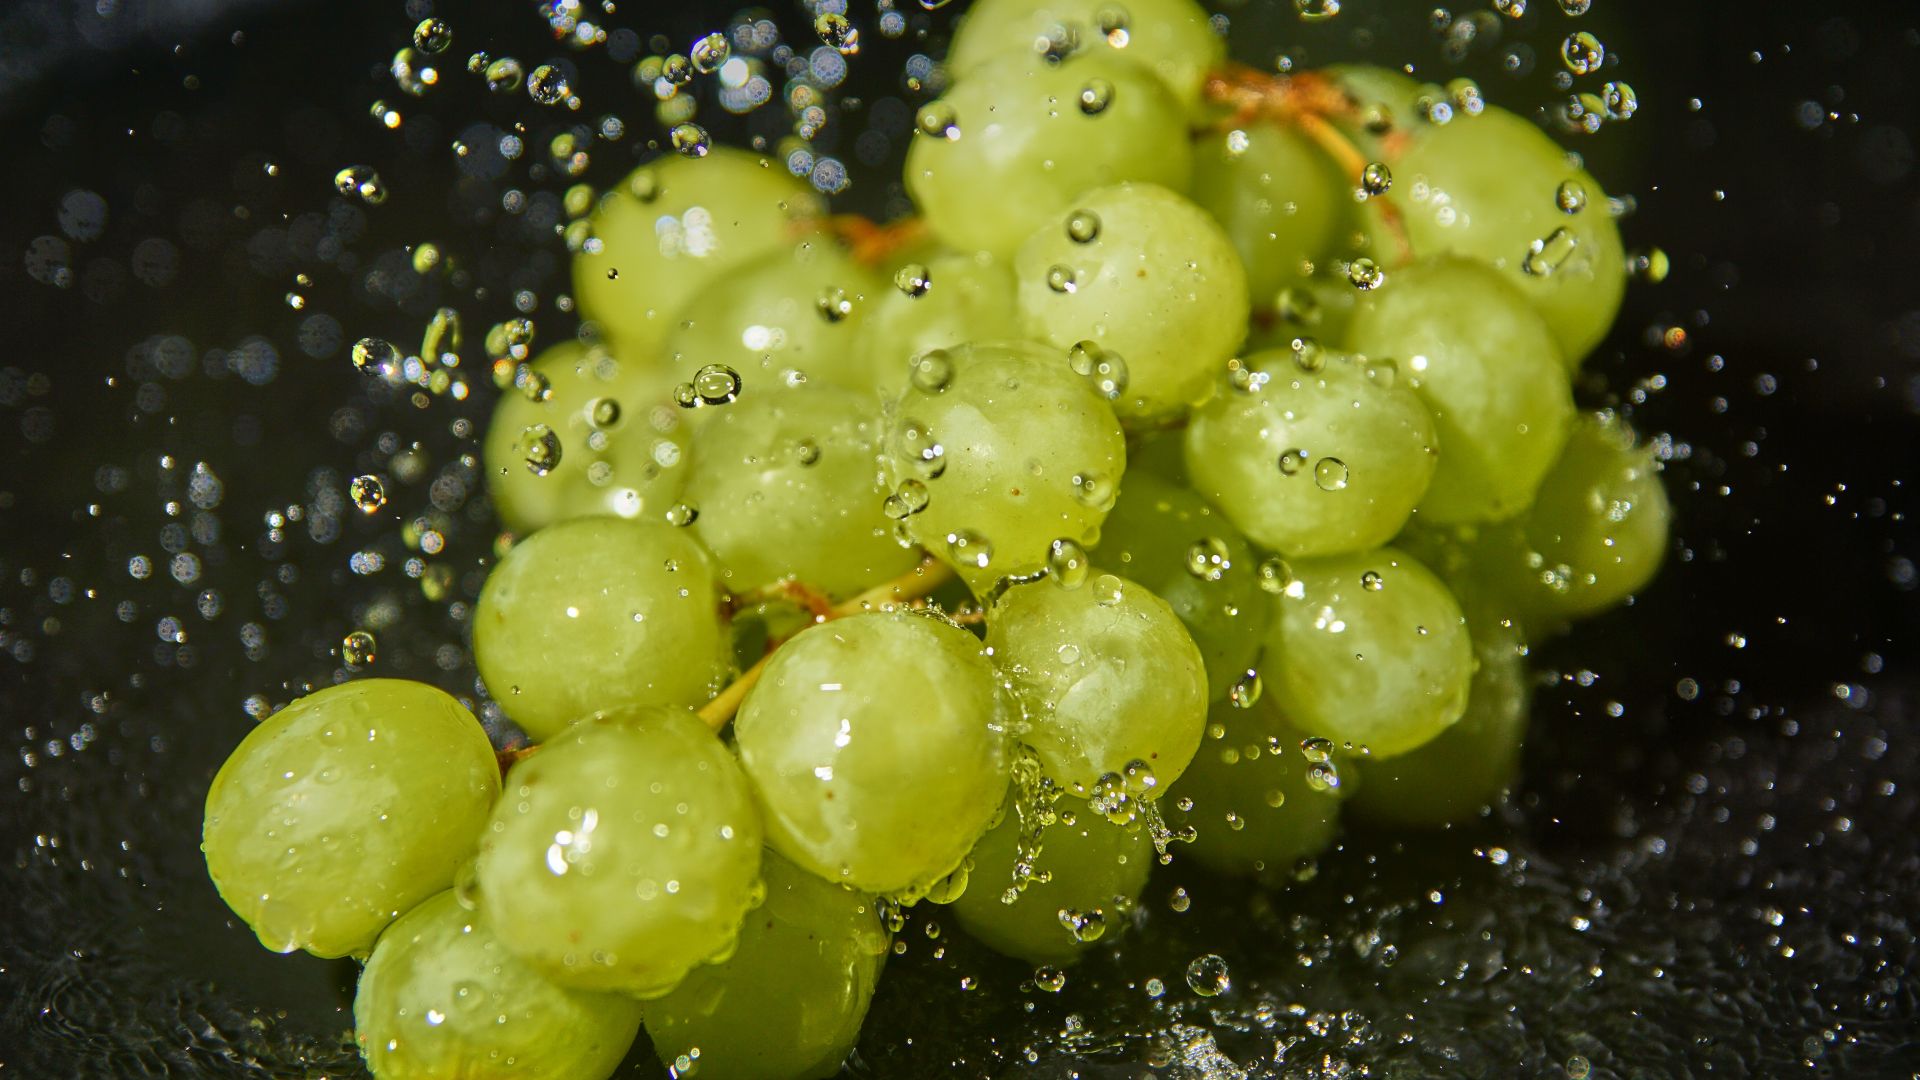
[(1314, 454), (877, 745), (789, 1002), (623, 852), (795, 310), (1173, 38), (1138, 271), (1385, 103), (1162, 453), (1467, 342), (1279, 197), (673, 228), (785, 484), (1012, 145), (1490, 187), (345, 809), (599, 613), (1187, 553), (1078, 889), (1008, 452), (968, 297), (582, 434), (1113, 688), (1317, 307), (1466, 767), (1256, 804), (1368, 649), (442, 997)]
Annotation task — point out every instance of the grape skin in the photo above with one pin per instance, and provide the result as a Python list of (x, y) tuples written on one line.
[(345, 809), (442, 997), (1279, 199), (971, 299), (1170, 37), (1252, 809)]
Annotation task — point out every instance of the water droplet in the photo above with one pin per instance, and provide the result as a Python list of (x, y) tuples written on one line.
[(1208, 558), (1083, 226), (1207, 976), (1376, 178), (677, 70), (542, 448), (838, 32), (913, 279), (1067, 563), (1062, 279), (1298, 305), (921, 449), (1274, 575), (432, 36), (1085, 926), (1105, 370), (1139, 778), (834, 304), (1292, 461), (1575, 8), (714, 384), (1246, 690), (1549, 254), (970, 548), (360, 182), (710, 52), (681, 515), (367, 493), (1650, 267), (1570, 196), (690, 140), (358, 649), (1095, 490), (503, 75), (1316, 10), (1619, 100), (603, 412), (1108, 590), (806, 451), (1096, 96), (1384, 372), (1049, 979), (1365, 274), (938, 118), (547, 85), (932, 371), (908, 499), (1371, 581), (533, 385), (374, 356), (1582, 53), (1330, 474), (1323, 776), (1308, 356), (1512, 9)]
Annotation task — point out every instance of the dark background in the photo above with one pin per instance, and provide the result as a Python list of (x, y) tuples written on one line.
[(1711, 867)]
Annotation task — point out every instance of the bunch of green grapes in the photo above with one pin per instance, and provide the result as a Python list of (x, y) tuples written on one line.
[(1195, 467)]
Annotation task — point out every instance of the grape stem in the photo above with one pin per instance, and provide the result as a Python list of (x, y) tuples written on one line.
[(912, 585), (870, 243), (1309, 102)]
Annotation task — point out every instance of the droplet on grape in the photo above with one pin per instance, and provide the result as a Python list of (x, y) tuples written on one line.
[(1208, 977), (1365, 274), (932, 371), (922, 449), (547, 86), (1096, 96), (1246, 690), (1292, 461), (938, 118), (603, 412), (806, 451), (1108, 590), (367, 493), (1308, 356), (1209, 558), (1062, 279), (1544, 256), (1067, 564), (1095, 490), (1085, 926), (1298, 305), (1274, 575), (1323, 776), (533, 385), (969, 548), (913, 279), (1330, 474), (1570, 196), (1371, 581), (1083, 226), (680, 515), (1105, 370), (714, 384), (834, 304), (908, 499)]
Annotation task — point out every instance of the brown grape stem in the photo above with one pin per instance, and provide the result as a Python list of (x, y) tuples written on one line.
[(912, 585), (870, 243)]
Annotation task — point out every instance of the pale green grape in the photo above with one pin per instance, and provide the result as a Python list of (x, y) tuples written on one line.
[(671, 229), (1369, 649), (345, 809), (1139, 271), (969, 297), (442, 997), (1314, 462), (1255, 802), (1187, 553), (1162, 453), (1489, 187), (789, 1001), (1468, 343), (599, 613), (1171, 37), (1317, 307), (1084, 882), (1467, 767), (619, 442), (1013, 143), (877, 745), (1009, 452), (1279, 197), (786, 483), (622, 853), (798, 308), (1110, 682)]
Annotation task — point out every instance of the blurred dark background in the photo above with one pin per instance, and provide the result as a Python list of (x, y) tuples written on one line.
[(1711, 867)]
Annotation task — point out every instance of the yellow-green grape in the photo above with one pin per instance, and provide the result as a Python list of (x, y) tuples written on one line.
[(1013, 143), (1279, 197), (1113, 689), (1314, 454), (1385, 104), (1494, 187), (345, 809), (938, 301), (798, 309), (1467, 342), (1597, 533), (623, 853), (785, 484), (1257, 804), (1138, 271), (1007, 453), (579, 433), (599, 613), (1078, 891), (789, 1001), (1316, 307), (674, 227), (1173, 38), (1368, 649), (1467, 767), (877, 745), (443, 997), (1174, 542)]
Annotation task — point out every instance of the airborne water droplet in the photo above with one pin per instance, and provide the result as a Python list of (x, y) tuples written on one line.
[(1246, 690), (358, 649), (547, 85), (1208, 976), (374, 356), (360, 182), (1376, 178), (1049, 978), (690, 140), (1365, 274), (367, 493), (838, 32), (1316, 10), (710, 52), (1582, 53), (432, 36), (503, 75)]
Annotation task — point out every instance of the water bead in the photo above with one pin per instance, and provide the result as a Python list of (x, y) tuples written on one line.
[(1083, 226), (677, 70), (932, 371), (503, 75), (1370, 580), (1308, 356), (1274, 575), (1512, 9), (1096, 96), (432, 36), (716, 384), (1330, 474), (358, 649), (913, 279), (367, 493), (1095, 490), (360, 182), (1570, 196), (1061, 278), (1575, 8), (1365, 274), (1209, 559), (1549, 253), (1246, 690), (970, 548), (1316, 10), (690, 140), (1582, 53), (838, 32), (1067, 563), (680, 515), (1376, 178), (938, 118), (1208, 976), (547, 86), (603, 412), (541, 447), (908, 499), (1292, 461), (1049, 979), (710, 52), (1619, 100), (834, 303), (374, 356)]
